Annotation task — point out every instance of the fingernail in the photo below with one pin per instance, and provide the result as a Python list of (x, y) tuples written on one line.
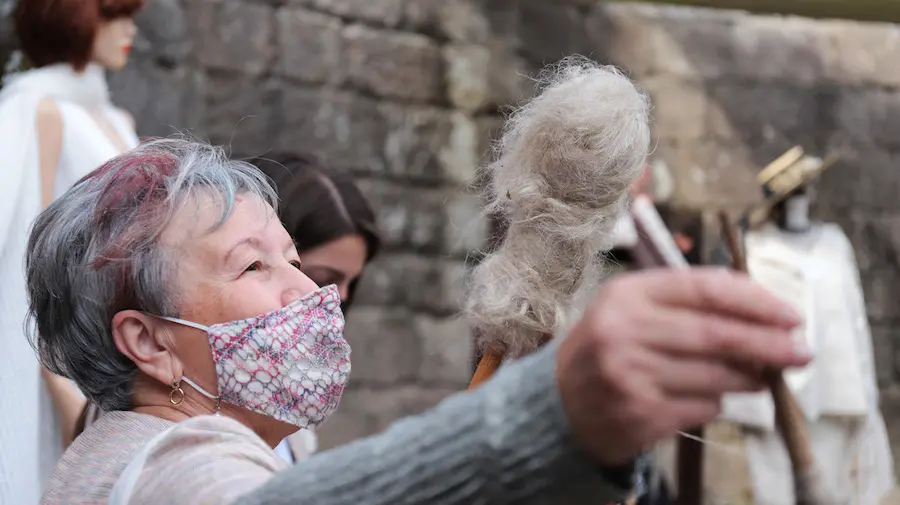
[(791, 316), (802, 350)]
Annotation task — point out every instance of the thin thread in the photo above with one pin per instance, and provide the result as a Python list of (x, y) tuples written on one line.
[(725, 448)]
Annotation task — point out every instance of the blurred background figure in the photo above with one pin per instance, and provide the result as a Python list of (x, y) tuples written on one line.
[(811, 264), (336, 236), (57, 123)]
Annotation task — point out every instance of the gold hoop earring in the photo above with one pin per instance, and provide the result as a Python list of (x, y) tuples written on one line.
[(176, 396)]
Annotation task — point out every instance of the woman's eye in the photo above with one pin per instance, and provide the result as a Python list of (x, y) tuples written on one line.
[(256, 265), (297, 264)]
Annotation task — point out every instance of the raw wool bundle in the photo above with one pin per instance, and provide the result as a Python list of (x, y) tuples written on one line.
[(565, 161)]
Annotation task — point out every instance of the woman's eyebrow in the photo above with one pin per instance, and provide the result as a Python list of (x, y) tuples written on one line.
[(247, 241)]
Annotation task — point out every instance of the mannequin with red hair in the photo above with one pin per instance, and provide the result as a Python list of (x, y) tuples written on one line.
[(57, 123)]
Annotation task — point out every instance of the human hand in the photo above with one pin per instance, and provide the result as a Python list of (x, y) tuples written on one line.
[(656, 350)]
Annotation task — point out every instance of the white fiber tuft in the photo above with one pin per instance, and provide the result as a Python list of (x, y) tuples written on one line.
[(563, 166)]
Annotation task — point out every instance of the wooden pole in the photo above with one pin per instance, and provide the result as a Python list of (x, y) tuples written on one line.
[(856, 10), (809, 486)]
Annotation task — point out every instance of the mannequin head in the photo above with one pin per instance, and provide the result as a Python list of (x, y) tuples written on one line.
[(792, 213), (77, 32)]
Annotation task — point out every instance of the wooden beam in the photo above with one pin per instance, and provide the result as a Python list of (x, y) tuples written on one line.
[(857, 10)]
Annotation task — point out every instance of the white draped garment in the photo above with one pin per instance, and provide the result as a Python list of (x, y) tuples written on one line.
[(30, 439), (817, 273)]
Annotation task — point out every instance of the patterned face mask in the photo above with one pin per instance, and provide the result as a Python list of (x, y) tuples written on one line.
[(290, 364)]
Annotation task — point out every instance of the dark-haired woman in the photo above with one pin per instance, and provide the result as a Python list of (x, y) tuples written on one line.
[(57, 123), (334, 229)]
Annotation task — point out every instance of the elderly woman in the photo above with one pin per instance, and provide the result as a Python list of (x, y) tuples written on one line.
[(333, 227), (165, 287)]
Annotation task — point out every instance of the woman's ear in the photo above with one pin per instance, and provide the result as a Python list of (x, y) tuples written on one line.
[(147, 342)]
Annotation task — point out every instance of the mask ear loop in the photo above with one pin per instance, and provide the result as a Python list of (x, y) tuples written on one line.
[(203, 392)]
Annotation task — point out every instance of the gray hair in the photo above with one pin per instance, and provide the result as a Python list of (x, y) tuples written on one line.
[(95, 251)]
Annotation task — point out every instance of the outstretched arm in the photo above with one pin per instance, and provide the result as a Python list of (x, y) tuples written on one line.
[(507, 442)]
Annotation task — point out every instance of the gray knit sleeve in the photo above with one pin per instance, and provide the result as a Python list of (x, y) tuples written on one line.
[(505, 443)]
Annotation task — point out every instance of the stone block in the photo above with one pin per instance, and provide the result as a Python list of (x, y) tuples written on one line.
[(430, 145), (680, 108), (489, 131), (410, 218), (467, 21), (693, 44), (468, 67), (413, 141), (877, 237), (504, 17), (233, 35), (867, 116), (383, 12), (881, 288), (419, 283), (767, 117), (864, 177), (423, 15), (485, 77), (392, 64), (386, 346), (427, 220), (453, 278), (550, 31), (862, 53), (710, 175), (466, 228), (887, 362), (464, 21), (459, 158), (181, 107), (508, 76), (309, 46), (853, 113), (347, 131), (238, 112), (782, 49), (163, 30), (446, 350), (379, 286)]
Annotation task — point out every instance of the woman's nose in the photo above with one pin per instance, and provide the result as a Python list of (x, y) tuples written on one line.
[(297, 285)]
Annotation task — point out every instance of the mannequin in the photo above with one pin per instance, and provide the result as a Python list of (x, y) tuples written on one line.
[(57, 124), (812, 265), (792, 215)]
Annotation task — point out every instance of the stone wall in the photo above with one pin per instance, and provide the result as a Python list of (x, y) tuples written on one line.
[(406, 93)]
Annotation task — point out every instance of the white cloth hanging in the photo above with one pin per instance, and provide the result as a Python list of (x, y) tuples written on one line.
[(30, 440)]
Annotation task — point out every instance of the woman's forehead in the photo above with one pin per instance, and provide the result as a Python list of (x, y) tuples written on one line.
[(199, 223)]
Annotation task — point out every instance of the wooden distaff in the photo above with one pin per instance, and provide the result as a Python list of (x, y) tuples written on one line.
[(487, 367), (810, 487)]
